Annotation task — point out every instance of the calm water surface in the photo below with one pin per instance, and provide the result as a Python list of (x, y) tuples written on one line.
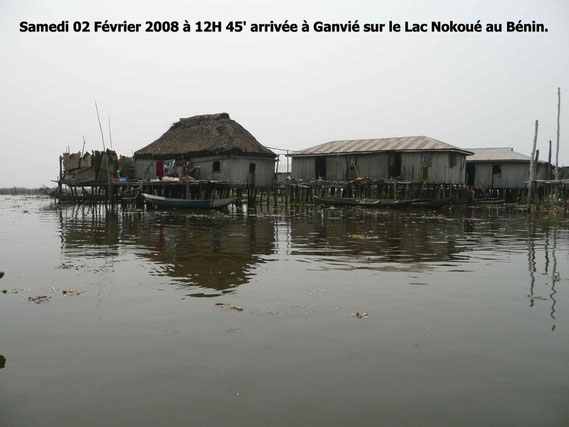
[(467, 317)]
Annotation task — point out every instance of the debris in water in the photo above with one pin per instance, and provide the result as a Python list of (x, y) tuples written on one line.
[(223, 305), (537, 297), (39, 299), (72, 292), (2, 361), (1, 274), (359, 315)]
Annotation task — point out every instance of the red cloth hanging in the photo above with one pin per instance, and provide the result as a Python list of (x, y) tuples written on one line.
[(159, 169)]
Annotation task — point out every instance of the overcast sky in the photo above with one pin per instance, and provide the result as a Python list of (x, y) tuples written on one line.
[(290, 91)]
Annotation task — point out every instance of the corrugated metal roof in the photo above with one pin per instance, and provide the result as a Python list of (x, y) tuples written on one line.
[(496, 154), (408, 143)]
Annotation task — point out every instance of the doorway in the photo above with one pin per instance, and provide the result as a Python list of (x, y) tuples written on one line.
[(394, 165), (470, 170), (320, 167)]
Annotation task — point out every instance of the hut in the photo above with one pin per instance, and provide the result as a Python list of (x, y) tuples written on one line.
[(500, 168), (209, 147), (88, 168), (418, 159)]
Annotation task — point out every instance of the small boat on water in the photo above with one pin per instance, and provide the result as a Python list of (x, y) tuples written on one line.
[(167, 202), (345, 201), (436, 203), (367, 203), (394, 203)]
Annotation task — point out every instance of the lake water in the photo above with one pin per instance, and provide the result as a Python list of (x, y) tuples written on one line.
[(283, 317)]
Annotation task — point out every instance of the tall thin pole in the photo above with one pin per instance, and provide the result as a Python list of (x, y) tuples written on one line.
[(110, 135), (557, 150), (548, 175), (60, 180), (100, 126), (549, 162), (531, 168)]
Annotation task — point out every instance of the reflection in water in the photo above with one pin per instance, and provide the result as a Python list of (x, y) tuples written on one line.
[(376, 239), (449, 327), (217, 252), (550, 264), (531, 262), (210, 250), (555, 276)]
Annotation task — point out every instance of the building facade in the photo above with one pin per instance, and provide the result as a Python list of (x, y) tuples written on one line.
[(500, 168), (413, 159)]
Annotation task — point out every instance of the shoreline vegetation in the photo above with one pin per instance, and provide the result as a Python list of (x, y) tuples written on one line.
[(23, 191)]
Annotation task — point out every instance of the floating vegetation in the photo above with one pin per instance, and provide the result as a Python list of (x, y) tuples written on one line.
[(39, 299)]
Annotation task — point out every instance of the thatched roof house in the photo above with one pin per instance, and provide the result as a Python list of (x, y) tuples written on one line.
[(222, 148), (205, 135)]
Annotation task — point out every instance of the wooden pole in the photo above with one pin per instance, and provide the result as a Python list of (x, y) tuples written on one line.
[(535, 170), (110, 135), (531, 168), (59, 183), (549, 187), (549, 162), (557, 150), (100, 126)]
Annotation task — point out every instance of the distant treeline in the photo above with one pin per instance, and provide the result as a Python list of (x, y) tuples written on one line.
[(17, 191)]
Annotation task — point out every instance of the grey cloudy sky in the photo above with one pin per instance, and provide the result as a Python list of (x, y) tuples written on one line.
[(289, 90)]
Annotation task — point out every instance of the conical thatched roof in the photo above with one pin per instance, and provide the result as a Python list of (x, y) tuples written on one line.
[(205, 135)]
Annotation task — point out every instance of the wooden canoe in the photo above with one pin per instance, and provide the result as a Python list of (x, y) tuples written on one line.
[(167, 202), (345, 201), (436, 203), (367, 203)]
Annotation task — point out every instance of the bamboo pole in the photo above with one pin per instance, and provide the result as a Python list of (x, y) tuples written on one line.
[(531, 169)]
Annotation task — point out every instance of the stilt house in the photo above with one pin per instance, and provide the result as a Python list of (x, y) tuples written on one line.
[(500, 168), (219, 148), (412, 159)]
